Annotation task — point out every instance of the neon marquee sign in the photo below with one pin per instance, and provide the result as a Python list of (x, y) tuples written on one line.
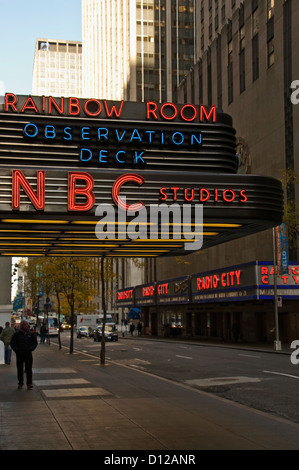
[(82, 183)]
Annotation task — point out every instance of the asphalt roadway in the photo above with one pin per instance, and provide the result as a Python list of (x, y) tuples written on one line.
[(78, 404)]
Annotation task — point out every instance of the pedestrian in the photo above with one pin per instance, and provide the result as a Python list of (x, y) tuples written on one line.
[(139, 328), (6, 335), (43, 332), (24, 343), (132, 328)]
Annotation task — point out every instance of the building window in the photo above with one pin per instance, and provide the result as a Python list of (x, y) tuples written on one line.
[(242, 51), (242, 70), (255, 57), (270, 52), (270, 9), (200, 83), (230, 73), (270, 33)]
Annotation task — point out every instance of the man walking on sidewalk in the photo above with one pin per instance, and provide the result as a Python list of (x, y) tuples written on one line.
[(23, 343), (6, 336)]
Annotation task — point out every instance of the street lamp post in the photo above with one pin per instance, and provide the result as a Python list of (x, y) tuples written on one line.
[(277, 342)]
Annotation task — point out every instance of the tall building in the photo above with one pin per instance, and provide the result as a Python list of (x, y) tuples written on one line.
[(137, 49), (246, 65), (57, 68)]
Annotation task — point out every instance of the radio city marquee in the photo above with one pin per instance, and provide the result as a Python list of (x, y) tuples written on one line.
[(65, 156), (250, 281)]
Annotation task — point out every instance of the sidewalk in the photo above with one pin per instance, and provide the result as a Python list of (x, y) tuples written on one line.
[(77, 404)]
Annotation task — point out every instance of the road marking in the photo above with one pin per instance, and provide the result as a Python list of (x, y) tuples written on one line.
[(42, 383), (249, 355), (281, 373), (184, 357), (212, 381), (75, 392), (54, 370)]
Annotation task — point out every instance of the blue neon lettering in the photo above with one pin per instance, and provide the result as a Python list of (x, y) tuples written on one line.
[(103, 156), (119, 137), (85, 133), (68, 134), (50, 132), (116, 156), (198, 140), (139, 157), (82, 154), (35, 130), (173, 138), (150, 133), (137, 137), (104, 134)]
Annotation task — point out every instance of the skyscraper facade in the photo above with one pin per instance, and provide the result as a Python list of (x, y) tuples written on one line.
[(137, 49), (57, 68)]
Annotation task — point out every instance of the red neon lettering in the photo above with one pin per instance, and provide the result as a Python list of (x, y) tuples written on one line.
[(226, 198), (186, 195), (265, 279), (10, 104), (147, 291), (29, 105), (175, 190), (162, 288), (193, 109), (243, 195), (96, 113), (164, 195), (74, 107), (52, 101), (151, 109), (168, 105), (204, 114), (37, 199), (204, 195), (85, 191), (116, 190), (264, 270), (113, 109)]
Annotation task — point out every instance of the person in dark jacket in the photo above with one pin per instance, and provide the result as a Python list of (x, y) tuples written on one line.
[(23, 343)]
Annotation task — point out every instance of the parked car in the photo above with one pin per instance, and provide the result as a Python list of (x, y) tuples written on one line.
[(83, 331), (110, 334)]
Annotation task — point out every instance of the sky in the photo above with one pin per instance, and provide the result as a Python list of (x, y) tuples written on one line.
[(22, 22)]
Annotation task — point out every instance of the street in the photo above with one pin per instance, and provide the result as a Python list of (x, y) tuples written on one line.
[(266, 381)]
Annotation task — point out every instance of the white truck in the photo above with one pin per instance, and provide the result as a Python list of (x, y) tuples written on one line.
[(94, 320)]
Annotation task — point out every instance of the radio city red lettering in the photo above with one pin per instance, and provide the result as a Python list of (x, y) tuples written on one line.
[(293, 273), (213, 281), (163, 288), (148, 291), (127, 294), (94, 108)]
